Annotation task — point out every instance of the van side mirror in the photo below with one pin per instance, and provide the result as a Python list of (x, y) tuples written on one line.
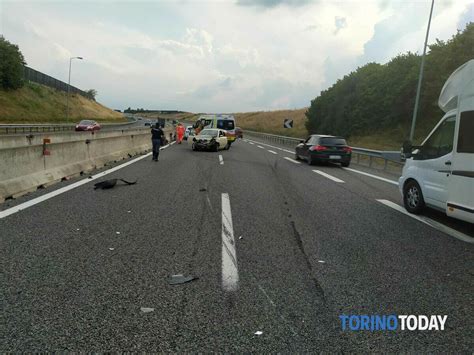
[(407, 150), (301, 141)]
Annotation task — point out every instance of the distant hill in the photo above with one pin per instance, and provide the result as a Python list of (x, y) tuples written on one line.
[(35, 103), (272, 122)]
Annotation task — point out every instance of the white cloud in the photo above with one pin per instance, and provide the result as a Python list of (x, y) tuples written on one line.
[(217, 56)]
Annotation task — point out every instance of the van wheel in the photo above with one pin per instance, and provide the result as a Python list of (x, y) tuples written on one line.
[(413, 197), (193, 147), (216, 147), (311, 160), (227, 147), (297, 157)]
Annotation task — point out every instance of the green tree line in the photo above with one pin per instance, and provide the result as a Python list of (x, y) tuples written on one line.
[(379, 96), (11, 65)]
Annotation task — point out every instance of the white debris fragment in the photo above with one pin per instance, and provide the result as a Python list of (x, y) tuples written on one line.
[(77, 229), (129, 211), (117, 232), (241, 237), (258, 332), (111, 248), (146, 309), (321, 261)]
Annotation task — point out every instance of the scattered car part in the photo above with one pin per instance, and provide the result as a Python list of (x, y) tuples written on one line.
[(108, 184), (180, 279)]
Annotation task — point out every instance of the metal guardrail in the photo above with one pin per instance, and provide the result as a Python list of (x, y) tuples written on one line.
[(28, 128), (386, 155), (41, 128)]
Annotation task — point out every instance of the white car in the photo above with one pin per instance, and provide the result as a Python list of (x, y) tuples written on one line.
[(210, 139), (188, 132), (440, 172)]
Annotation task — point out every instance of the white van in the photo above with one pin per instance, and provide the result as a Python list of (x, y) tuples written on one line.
[(440, 172)]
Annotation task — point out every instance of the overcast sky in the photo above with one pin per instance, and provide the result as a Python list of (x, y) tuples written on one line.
[(219, 56)]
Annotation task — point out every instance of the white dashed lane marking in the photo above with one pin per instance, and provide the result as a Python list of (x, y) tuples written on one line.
[(330, 177), (292, 160), (372, 176), (230, 273)]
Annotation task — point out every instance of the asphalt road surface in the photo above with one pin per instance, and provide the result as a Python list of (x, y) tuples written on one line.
[(280, 252)]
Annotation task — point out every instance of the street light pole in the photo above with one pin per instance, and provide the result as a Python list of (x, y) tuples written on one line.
[(420, 76), (69, 86)]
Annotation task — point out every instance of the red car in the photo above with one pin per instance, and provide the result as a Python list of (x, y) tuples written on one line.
[(87, 125)]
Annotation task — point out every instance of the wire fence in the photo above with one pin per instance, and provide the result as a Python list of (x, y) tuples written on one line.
[(30, 74)]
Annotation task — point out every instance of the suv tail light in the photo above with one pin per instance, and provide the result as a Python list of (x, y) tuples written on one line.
[(318, 148), (347, 149)]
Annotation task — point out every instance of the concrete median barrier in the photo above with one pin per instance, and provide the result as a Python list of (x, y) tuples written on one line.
[(29, 162)]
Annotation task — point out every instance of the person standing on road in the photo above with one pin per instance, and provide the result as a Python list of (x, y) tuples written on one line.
[(157, 136), (180, 132)]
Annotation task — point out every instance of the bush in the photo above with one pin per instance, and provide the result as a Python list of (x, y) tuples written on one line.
[(11, 65), (91, 94)]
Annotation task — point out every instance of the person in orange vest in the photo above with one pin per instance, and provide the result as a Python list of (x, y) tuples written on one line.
[(179, 133)]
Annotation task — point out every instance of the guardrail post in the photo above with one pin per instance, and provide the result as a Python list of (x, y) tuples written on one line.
[(370, 161), (385, 164)]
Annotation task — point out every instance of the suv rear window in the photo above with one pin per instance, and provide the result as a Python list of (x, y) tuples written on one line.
[(333, 141), (225, 124), (466, 127)]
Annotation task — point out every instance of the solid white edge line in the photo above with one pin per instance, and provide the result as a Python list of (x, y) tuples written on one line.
[(372, 176), (271, 151), (221, 160), (35, 201), (333, 178), (292, 160), (260, 146), (230, 273), (436, 225)]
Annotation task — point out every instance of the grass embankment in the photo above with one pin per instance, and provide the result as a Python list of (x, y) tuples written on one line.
[(272, 122), (35, 103)]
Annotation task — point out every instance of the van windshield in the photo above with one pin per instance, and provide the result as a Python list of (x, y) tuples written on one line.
[(225, 124)]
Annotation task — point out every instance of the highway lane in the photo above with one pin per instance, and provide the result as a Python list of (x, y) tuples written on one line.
[(308, 249), (372, 183)]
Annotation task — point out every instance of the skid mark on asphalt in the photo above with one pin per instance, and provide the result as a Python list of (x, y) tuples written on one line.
[(299, 243), (230, 273)]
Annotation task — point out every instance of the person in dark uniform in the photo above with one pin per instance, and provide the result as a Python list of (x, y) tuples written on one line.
[(157, 136)]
